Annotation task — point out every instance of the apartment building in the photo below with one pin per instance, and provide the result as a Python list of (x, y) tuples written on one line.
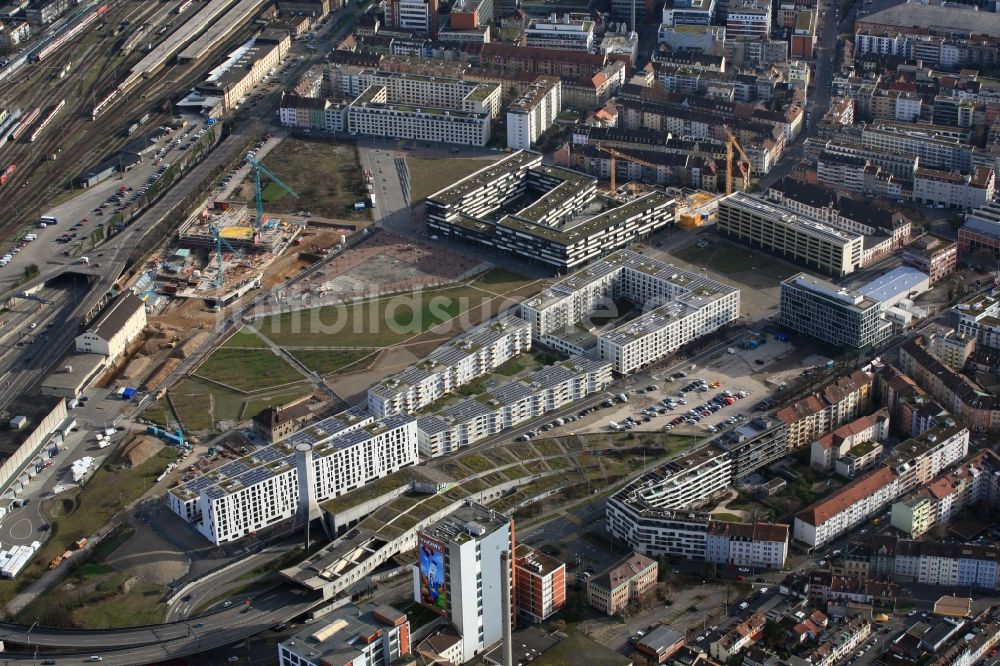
[(274, 424), (418, 90), (748, 19), (919, 459), (454, 364), (842, 212), (952, 349), (419, 16), (459, 574), (899, 164), (932, 254), (472, 419), (312, 113), (842, 400), (539, 582), (737, 639), (754, 444), (850, 506), (973, 481), (115, 327), (680, 306), (336, 455), (12, 33), (657, 531), (832, 314), (935, 150), (533, 112), (560, 32), (964, 191), (373, 635), (844, 642), (688, 13), (978, 318), (860, 437), (976, 406), (626, 581), (777, 229), (934, 562), (844, 171), (371, 114), (550, 229), (981, 231)]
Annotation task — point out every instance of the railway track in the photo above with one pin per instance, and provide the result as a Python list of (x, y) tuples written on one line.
[(76, 141)]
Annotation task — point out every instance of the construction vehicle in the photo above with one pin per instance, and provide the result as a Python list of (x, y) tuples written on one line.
[(257, 168), (744, 165), (615, 156)]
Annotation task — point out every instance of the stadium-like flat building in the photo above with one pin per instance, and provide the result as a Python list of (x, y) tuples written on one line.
[(680, 306)]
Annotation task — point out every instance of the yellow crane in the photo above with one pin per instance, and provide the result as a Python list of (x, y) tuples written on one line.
[(615, 155), (745, 169)]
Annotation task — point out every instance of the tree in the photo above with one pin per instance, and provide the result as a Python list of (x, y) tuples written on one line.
[(773, 635), (30, 271)]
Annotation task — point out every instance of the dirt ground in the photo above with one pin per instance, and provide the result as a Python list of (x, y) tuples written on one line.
[(148, 557)]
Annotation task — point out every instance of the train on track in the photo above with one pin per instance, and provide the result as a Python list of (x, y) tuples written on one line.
[(7, 173), (25, 123), (64, 38)]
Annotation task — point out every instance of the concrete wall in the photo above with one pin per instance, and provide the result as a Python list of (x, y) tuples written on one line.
[(11, 468)]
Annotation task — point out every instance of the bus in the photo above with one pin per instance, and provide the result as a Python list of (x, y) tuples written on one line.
[(48, 220)]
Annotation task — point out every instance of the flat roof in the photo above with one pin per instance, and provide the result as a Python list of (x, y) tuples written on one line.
[(917, 14), (84, 366), (787, 216), (897, 282), (34, 408), (454, 193)]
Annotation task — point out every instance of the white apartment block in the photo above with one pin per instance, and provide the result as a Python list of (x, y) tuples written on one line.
[(560, 33), (475, 418), (778, 229), (114, 328), (372, 114), (694, 536), (979, 318), (963, 191), (936, 563), (685, 482), (450, 366), (533, 112), (846, 508), (413, 15), (933, 149), (261, 489), (680, 307), (417, 90), (748, 18)]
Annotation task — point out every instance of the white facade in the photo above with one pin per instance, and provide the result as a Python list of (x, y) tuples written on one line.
[(450, 366), (954, 190), (506, 406), (533, 112), (560, 33), (261, 489), (681, 307), (852, 505), (748, 18), (118, 325), (473, 538), (418, 91), (375, 117)]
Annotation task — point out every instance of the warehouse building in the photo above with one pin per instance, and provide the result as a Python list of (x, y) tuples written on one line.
[(680, 307), (834, 315), (333, 456), (115, 327), (232, 81), (981, 232), (796, 237), (556, 228)]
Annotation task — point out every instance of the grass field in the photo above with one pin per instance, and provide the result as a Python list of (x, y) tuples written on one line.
[(327, 361), (731, 258), (427, 176), (327, 176), (373, 323), (248, 369), (500, 280), (244, 338), (199, 404)]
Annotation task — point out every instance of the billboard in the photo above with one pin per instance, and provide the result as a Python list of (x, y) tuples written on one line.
[(433, 592)]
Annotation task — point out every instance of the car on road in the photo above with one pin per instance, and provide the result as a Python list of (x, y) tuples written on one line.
[(227, 604), (199, 625)]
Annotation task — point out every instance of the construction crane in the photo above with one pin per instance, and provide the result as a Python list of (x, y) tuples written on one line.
[(257, 168), (745, 169), (219, 242), (615, 155)]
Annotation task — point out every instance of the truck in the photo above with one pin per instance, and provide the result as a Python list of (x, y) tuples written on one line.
[(83, 260), (622, 397)]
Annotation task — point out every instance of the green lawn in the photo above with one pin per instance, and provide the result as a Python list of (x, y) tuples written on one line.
[(273, 193), (244, 338), (727, 517), (248, 369), (500, 280), (194, 410), (200, 403), (373, 323), (427, 176), (327, 361), (731, 258)]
